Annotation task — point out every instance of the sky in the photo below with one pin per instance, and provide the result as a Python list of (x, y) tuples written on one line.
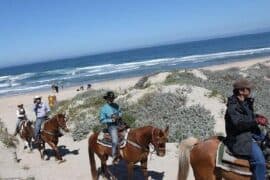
[(34, 31)]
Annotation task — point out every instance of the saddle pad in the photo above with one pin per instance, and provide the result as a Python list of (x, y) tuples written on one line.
[(108, 143), (227, 162)]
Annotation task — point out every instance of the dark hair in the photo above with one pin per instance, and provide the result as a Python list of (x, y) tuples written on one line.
[(236, 91)]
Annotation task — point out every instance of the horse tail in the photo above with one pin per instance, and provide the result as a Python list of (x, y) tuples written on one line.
[(184, 157), (92, 157)]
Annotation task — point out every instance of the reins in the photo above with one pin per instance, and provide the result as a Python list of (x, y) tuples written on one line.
[(143, 148)]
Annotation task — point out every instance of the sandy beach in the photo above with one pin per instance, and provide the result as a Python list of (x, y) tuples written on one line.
[(77, 166)]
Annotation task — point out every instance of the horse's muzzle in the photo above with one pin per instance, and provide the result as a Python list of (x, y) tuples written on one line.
[(66, 129), (161, 152)]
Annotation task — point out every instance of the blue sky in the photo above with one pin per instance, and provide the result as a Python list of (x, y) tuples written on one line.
[(32, 31)]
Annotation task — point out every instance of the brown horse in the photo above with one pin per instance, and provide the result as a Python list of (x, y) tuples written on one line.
[(50, 134), (202, 156), (26, 132), (136, 150)]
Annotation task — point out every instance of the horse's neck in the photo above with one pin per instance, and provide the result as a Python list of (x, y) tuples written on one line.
[(143, 135), (51, 124)]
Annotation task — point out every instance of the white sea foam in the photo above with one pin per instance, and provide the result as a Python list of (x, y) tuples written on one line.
[(23, 89), (3, 78), (21, 76), (88, 71)]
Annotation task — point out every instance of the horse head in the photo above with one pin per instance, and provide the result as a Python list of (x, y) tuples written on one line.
[(159, 139), (29, 123), (62, 122)]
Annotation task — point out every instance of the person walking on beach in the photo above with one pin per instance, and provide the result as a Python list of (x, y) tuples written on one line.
[(41, 111), (110, 115), (21, 115), (242, 128)]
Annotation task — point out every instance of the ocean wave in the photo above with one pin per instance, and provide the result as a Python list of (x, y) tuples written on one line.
[(71, 73), (117, 71), (23, 89), (21, 76), (4, 78), (33, 81), (221, 55), (12, 84)]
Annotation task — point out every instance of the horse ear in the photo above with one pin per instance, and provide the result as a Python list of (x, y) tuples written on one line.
[(166, 131)]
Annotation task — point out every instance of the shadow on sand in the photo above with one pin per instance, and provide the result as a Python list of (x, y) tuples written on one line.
[(63, 151), (120, 172)]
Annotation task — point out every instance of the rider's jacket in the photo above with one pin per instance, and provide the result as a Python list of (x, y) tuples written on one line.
[(240, 123), (20, 113), (107, 111)]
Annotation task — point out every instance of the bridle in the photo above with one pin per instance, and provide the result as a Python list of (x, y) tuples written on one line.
[(146, 149)]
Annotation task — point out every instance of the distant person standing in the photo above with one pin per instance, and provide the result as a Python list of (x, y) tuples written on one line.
[(41, 111), (89, 86), (56, 88), (21, 115)]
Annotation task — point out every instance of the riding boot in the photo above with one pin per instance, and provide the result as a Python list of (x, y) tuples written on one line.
[(37, 139), (116, 157)]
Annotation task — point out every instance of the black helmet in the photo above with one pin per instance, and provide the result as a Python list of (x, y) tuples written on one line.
[(110, 95)]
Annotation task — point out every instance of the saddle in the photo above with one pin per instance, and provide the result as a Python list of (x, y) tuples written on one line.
[(228, 162), (105, 139)]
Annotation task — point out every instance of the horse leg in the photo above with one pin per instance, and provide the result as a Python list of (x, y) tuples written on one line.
[(25, 144), (41, 147), (30, 145), (130, 170), (54, 147), (144, 168), (104, 168)]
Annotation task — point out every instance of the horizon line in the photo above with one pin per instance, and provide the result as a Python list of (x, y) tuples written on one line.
[(141, 47)]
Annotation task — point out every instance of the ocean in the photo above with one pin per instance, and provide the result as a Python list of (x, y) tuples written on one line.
[(130, 63)]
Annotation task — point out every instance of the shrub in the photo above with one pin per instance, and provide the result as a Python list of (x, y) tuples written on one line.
[(161, 109), (141, 83), (83, 112), (7, 139), (213, 93)]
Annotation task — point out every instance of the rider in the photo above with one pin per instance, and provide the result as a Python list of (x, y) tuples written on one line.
[(21, 115), (242, 128), (110, 114), (41, 111)]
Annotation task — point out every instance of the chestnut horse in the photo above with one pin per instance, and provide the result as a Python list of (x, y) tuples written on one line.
[(26, 132), (50, 134), (136, 150), (202, 156)]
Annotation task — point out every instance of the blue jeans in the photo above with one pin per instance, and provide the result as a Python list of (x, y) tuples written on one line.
[(38, 124), (17, 124), (114, 134), (257, 162)]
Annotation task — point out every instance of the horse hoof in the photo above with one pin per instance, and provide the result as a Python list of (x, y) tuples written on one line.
[(61, 161)]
